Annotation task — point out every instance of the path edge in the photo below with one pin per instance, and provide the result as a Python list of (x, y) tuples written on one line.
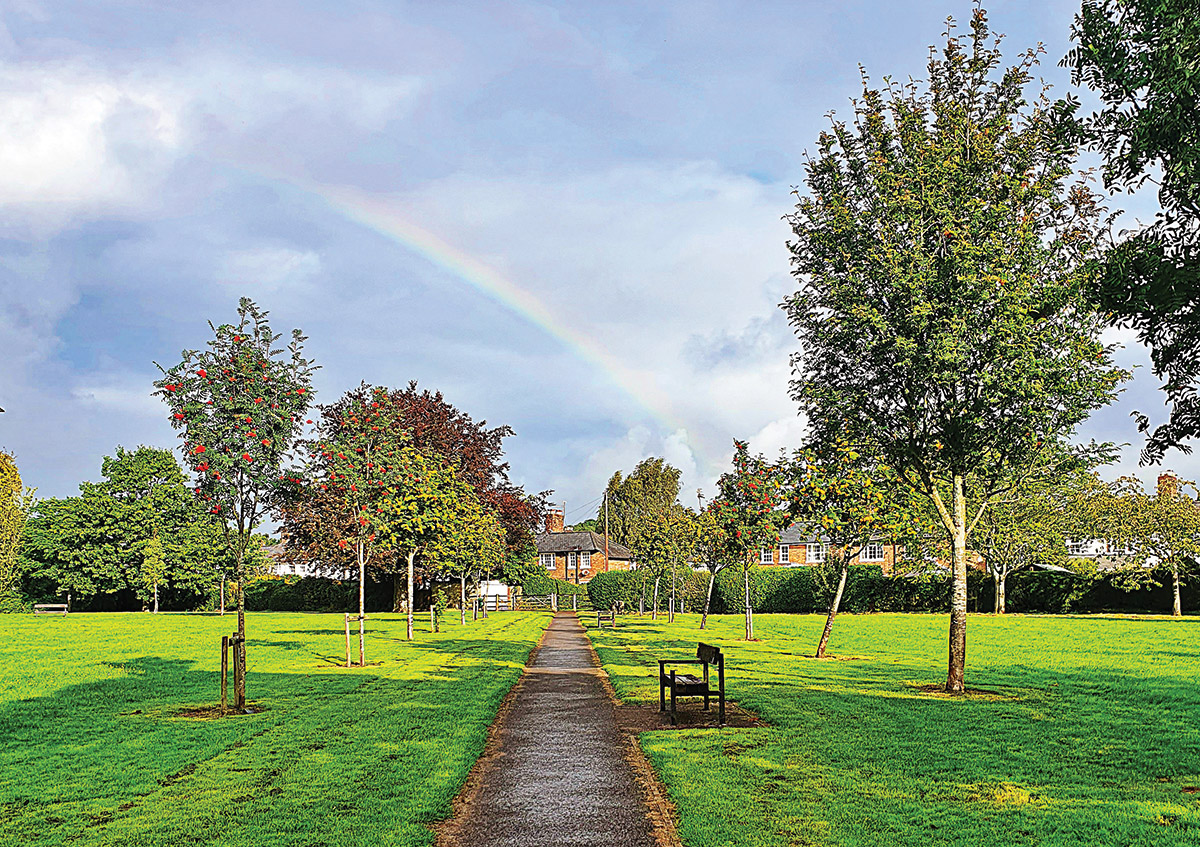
[(662, 812), (447, 831)]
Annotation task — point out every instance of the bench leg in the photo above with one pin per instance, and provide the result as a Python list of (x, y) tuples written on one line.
[(706, 701), (721, 711), (662, 697), (674, 719)]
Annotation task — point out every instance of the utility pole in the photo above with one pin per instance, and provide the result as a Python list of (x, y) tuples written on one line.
[(606, 529)]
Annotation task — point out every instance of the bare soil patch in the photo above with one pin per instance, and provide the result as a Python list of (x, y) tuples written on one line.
[(208, 713), (638, 717)]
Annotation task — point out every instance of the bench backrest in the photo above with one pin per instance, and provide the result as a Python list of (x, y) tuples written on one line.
[(708, 653)]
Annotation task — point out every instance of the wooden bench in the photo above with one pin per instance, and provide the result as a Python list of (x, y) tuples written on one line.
[(688, 685), (50, 609), (609, 617)]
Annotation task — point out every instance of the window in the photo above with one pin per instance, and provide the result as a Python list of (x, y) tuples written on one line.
[(1078, 548), (548, 561), (815, 553), (766, 557), (585, 561), (871, 553), (572, 561), (783, 554)]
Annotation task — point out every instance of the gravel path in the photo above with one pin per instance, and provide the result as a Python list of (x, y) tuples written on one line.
[(559, 773)]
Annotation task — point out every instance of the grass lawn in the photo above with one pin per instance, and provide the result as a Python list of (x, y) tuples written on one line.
[(92, 752), (1092, 734)]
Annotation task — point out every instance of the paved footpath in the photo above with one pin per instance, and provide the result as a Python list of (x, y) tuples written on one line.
[(561, 777)]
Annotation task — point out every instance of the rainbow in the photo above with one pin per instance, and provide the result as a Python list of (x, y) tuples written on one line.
[(387, 220)]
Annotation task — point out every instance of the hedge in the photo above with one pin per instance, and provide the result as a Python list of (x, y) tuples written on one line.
[(798, 590), (541, 584), (313, 594)]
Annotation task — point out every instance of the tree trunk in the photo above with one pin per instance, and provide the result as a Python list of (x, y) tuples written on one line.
[(654, 602), (156, 598), (1177, 608), (956, 671), (834, 605), (412, 555), (462, 598), (395, 592), (362, 606), (222, 595), (671, 608), (712, 578), (1001, 577), (749, 611), (239, 693)]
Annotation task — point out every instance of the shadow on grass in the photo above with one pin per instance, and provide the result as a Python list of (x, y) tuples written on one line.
[(113, 753)]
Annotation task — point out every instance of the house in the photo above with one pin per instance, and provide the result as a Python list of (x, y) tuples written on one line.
[(798, 546), (578, 556)]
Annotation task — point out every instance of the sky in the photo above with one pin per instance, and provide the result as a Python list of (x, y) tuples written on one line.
[(567, 217)]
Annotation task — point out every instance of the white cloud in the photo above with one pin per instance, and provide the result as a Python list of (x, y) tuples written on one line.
[(268, 269)]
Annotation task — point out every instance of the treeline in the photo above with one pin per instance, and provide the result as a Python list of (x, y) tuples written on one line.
[(393, 485)]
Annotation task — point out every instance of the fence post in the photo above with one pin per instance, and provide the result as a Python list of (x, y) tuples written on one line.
[(239, 671), (574, 602), (554, 601), (224, 673)]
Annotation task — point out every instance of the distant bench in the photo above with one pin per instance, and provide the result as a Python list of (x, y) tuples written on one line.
[(688, 685), (609, 617), (50, 609)]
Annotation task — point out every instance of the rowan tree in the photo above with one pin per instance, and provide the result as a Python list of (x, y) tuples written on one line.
[(353, 465), (1148, 530), (850, 500), (1139, 56), (1030, 522), (240, 406), (942, 249), (713, 550), (748, 510)]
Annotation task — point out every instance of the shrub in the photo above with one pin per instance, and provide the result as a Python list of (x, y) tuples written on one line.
[(541, 584)]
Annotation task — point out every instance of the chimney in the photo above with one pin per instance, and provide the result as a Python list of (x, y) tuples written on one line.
[(1168, 486), (554, 520)]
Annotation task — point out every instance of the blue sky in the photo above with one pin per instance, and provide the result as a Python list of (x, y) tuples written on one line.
[(625, 167)]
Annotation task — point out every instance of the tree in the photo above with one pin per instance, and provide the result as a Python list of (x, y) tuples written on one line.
[(240, 407), (353, 467), (651, 489), (713, 549), (436, 427), (95, 543), (154, 567), (15, 503), (748, 514), (472, 543), (1029, 524), (850, 500), (420, 512), (1139, 57), (942, 260), (1160, 529), (664, 539)]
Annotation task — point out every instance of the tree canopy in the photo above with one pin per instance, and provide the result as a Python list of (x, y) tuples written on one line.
[(1139, 56), (942, 252)]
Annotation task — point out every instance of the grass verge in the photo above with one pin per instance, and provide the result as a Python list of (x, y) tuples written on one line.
[(1083, 731), (94, 748)]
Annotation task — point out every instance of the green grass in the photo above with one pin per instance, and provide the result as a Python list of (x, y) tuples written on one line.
[(1091, 735), (92, 751)]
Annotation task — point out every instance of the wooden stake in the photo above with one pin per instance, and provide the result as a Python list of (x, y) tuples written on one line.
[(224, 673)]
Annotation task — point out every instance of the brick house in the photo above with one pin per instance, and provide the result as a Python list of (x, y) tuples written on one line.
[(797, 547), (578, 556)]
